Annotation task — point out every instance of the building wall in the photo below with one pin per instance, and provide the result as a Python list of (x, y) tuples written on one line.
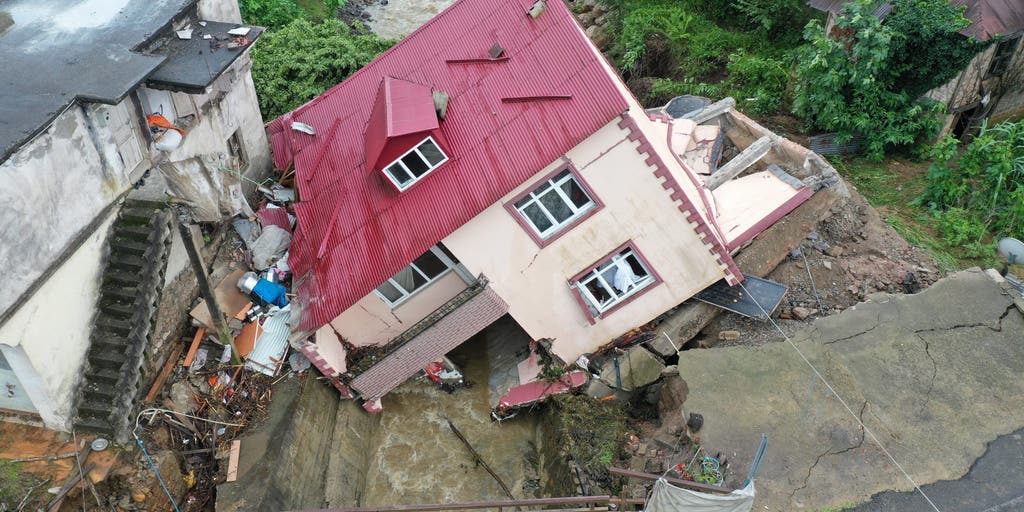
[(52, 329), (371, 321), (534, 281)]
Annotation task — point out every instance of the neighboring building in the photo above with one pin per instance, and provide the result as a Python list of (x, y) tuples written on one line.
[(991, 86), (79, 81), (493, 163)]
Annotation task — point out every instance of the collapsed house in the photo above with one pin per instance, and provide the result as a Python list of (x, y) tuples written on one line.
[(493, 163), (989, 87), (99, 103)]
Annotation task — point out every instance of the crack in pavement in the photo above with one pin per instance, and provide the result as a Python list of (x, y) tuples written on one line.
[(878, 323), (935, 372), (987, 325), (828, 451)]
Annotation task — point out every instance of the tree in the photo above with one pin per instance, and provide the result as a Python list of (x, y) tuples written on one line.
[(297, 62), (869, 78)]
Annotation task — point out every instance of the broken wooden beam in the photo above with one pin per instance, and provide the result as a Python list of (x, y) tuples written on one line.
[(711, 111), (236, 448), (161, 378), (480, 460), (740, 163), (686, 484), (191, 355), (55, 502)]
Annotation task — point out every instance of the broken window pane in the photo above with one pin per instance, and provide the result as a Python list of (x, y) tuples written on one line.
[(575, 193), (614, 280)]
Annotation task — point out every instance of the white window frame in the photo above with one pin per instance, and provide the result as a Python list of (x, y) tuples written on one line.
[(415, 179), (436, 251), (534, 198), (617, 298)]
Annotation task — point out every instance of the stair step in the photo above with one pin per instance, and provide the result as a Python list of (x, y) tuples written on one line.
[(116, 293), (121, 279), (103, 376), (136, 247), (137, 216), (94, 425), (115, 310), (101, 393), (132, 232), (95, 409), (106, 358), (114, 325), (108, 343), (145, 203), (126, 261)]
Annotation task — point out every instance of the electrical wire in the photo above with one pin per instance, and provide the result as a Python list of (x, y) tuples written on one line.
[(843, 402)]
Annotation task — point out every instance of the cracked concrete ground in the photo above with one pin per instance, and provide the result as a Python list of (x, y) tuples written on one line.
[(935, 376)]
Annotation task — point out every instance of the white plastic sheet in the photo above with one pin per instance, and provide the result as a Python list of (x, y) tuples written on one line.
[(668, 498)]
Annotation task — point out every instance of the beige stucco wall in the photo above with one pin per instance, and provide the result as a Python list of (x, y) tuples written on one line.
[(53, 328), (534, 281), (371, 321)]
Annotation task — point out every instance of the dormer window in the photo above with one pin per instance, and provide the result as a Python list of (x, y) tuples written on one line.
[(415, 164)]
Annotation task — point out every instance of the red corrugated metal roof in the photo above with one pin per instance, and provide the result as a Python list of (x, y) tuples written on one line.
[(354, 229)]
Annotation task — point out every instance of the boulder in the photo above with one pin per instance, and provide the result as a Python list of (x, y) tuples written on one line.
[(638, 367)]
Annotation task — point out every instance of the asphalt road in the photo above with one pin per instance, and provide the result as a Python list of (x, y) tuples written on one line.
[(995, 483)]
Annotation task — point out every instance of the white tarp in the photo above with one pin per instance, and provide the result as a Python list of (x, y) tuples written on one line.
[(668, 498)]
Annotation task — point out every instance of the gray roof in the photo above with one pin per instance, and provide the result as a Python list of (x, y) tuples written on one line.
[(56, 51)]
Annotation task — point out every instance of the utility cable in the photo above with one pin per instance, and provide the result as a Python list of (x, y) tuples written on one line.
[(845, 405)]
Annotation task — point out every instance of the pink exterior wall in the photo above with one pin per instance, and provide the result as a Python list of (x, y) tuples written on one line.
[(638, 208), (371, 321)]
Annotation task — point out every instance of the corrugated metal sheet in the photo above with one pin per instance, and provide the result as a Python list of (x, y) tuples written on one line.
[(371, 230), (439, 339), (992, 17), (268, 353)]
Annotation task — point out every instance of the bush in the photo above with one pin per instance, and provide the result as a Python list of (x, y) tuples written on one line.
[(269, 13), (983, 187), (301, 60), (757, 83), (869, 80)]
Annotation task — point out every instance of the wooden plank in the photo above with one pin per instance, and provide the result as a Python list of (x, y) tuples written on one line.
[(740, 162), (184, 420), (686, 484), (161, 378), (236, 448), (55, 503), (194, 346)]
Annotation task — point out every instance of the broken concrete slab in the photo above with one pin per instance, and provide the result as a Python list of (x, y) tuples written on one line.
[(638, 367), (920, 371)]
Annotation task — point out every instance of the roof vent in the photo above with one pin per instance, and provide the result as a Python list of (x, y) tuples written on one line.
[(496, 51), (440, 104), (538, 8)]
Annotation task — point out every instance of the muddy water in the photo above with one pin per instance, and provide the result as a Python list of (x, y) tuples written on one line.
[(420, 460), (400, 17)]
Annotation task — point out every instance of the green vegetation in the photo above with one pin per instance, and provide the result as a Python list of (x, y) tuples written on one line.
[(592, 432), (977, 197), (278, 13), (295, 63), (714, 49), (14, 485), (868, 77)]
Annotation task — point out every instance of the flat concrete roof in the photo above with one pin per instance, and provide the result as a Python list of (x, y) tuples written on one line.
[(55, 52), (193, 64)]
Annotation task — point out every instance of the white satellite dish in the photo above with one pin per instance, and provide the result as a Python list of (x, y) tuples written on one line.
[(1011, 249)]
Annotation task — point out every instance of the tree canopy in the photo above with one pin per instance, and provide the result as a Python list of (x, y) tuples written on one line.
[(298, 61), (869, 77)]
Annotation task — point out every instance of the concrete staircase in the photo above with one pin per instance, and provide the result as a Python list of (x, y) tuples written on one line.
[(138, 247)]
